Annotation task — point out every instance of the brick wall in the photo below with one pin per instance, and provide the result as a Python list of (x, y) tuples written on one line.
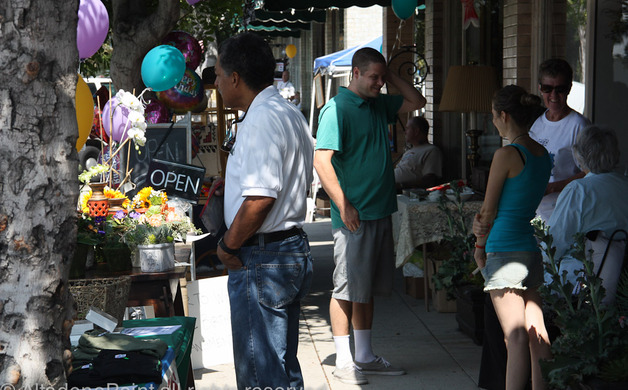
[(362, 24), (534, 30), (517, 43)]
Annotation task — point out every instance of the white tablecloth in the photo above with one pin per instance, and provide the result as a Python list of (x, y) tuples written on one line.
[(418, 223)]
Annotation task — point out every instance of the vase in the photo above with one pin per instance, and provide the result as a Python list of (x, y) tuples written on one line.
[(182, 252), (115, 205), (98, 203), (470, 312), (117, 257), (156, 257), (77, 266)]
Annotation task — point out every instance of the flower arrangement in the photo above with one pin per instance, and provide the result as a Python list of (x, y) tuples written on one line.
[(150, 218), (161, 221)]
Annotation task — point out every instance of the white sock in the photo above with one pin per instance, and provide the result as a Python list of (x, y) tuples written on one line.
[(343, 351), (363, 350)]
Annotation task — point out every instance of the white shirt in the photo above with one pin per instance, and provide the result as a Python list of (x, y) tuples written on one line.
[(285, 88), (417, 162), (272, 157), (558, 138)]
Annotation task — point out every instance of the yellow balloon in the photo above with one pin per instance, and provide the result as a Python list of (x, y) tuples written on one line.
[(291, 51), (84, 105)]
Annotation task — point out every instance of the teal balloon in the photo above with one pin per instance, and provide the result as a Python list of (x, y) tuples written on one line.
[(404, 8), (163, 67)]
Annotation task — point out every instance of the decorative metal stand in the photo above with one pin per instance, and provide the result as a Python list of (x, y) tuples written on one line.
[(417, 68)]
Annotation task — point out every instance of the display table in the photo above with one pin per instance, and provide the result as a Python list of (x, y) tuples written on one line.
[(161, 290), (417, 223)]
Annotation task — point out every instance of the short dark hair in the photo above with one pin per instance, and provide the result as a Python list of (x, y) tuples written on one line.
[(596, 149), (251, 57), (524, 108), (366, 56), (556, 67), (421, 123)]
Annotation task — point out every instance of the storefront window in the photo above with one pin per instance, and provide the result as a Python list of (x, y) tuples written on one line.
[(575, 51), (610, 84)]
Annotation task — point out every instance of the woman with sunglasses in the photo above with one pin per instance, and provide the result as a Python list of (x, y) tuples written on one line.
[(507, 253), (557, 130)]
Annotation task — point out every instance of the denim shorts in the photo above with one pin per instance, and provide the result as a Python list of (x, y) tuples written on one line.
[(365, 262), (519, 270)]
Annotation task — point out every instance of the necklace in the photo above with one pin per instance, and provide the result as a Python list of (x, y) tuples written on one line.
[(520, 135)]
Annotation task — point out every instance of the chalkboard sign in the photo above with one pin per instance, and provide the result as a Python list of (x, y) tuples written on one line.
[(178, 180), (177, 147)]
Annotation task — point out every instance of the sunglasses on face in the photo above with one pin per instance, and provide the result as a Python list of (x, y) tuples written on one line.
[(558, 88)]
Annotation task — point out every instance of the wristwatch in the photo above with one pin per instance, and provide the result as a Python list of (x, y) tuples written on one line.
[(228, 250)]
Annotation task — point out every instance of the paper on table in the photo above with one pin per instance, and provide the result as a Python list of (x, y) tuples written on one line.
[(150, 330)]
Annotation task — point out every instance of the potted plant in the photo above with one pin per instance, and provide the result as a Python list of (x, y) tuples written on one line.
[(151, 233), (591, 350), (457, 274), (454, 270)]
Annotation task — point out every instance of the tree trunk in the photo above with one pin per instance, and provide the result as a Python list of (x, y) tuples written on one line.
[(135, 32), (38, 188)]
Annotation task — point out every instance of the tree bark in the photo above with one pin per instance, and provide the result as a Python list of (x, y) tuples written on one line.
[(38, 188), (136, 30)]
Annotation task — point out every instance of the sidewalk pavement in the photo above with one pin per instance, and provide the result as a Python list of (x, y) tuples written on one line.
[(435, 354)]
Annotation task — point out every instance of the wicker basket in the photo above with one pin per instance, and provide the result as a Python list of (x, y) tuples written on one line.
[(107, 294)]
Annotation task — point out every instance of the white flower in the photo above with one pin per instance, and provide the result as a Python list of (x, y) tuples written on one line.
[(135, 118), (138, 136), (129, 100)]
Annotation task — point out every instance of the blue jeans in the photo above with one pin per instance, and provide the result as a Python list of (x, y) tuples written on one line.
[(265, 296)]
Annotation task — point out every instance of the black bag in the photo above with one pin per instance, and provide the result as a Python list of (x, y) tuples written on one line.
[(213, 214)]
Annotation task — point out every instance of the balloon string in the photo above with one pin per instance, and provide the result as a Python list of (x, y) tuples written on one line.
[(398, 43)]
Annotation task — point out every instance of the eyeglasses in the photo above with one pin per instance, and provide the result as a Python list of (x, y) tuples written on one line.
[(558, 88), (230, 137)]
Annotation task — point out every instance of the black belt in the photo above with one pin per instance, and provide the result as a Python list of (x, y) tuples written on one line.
[(273, 236)]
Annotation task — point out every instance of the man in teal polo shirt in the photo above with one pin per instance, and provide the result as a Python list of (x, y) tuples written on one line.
[(354, 164)]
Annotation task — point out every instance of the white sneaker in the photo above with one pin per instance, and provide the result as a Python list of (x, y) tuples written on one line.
[(379, 366), (350, 374)]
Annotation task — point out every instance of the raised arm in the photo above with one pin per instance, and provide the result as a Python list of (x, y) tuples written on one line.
[(412, 98), (329, 180)]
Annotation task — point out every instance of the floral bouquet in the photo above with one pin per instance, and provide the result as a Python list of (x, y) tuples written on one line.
[(154, 219)]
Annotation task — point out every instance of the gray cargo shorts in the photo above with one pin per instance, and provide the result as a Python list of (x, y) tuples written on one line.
[(365, 261)]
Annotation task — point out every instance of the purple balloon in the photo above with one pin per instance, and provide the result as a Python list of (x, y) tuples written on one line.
[(92, 27), (188, 45), (156, 112), (117, 122), (184, 96), (192, 2)]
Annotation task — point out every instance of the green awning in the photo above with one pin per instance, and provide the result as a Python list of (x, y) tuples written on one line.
[(290, 25), (272, 31), (319, 16), (280, 5)]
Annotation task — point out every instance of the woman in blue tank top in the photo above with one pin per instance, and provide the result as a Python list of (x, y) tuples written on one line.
[(506, 250)]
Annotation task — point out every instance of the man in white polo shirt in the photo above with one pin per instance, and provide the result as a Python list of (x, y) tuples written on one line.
[(264, 248)]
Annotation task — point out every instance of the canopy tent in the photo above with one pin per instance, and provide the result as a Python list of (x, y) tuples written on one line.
[(340, 61), (336, 64)]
